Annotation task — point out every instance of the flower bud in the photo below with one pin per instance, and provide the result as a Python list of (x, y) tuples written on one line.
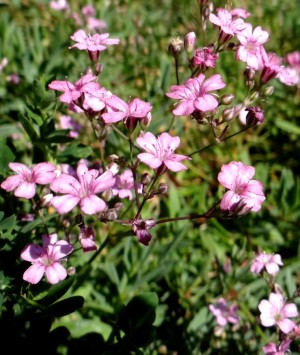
[(249, 74), (113, 168), (268, 91), (190, 40), (107, 194), (175, 47), (112, 214), (118, 206), (228, 114), (250, 84), (162, 189), (71, 271), (145, 121), (46, 200), (255, 116), (254, 96), (227, 99), (146, 179)]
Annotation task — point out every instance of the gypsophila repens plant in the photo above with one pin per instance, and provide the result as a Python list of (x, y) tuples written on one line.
[(135, 220)]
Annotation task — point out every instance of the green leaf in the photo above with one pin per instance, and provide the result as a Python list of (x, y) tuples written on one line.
[(29, 128), (66, 306), (6, 156), (139, 312), (59, 136), (7, 225), (33, 116), (287, 126), (76, 151), (55, 292), (9, 129)]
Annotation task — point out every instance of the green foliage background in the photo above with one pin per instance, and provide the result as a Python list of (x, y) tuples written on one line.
[(154, 298)]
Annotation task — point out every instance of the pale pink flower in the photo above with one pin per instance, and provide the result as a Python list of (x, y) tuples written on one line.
[(87, 239), (3, 63), (82, 190), (24, 182), (255, 115), (59, 5), (224, 313), (96, 100), (271, 66), (276, 312), (251, 49), (239, 12), (67, 122), (74, 92), (229, 26), (194, 94), (130, 114), (88, 10), (92, 43), (189, 42), (160, 152), (289, 76), (243, 192), (124, 185), (293, 60), (266, 262), (95, 24), (46, 259), (281, 349), (205, 58)]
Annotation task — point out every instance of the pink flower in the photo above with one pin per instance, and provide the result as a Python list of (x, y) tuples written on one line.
[(124, 185), (24, 182), (270, 68), (194, 94), (268, 262), (73, 92), (160, 152), (45, 259), (205, 58), (281, 349), (130, 113), (93, 44), (81, 190), (96, 24), (224, 313), (96, 100), (3, 63), (228, 26), (87, 239), (243, 192), (239, 12), (67, 122), (59, 5), (251, 50), (140, 228), (276, 312)]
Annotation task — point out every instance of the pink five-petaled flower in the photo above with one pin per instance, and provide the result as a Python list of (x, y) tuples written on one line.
[(281, 349), (205, 58), (251, 50), (194, 94), (130, 113), (45, 259), (243, 192), (81, 190), (276, 312), (94, 44), (224, 313), (24, 182), (124, 185), (73, 92), (266, 262), (160, 152)]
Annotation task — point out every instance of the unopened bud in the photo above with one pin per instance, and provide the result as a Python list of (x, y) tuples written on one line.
[(190, 40), (254, 96), (113, 157), (98, 68), (228, 114), (249, 74), (131, 123), (145, 121), (250, 84), (268, 91), (71, 271), (146, 179), (118, 206), (107, 194), (162, 189), (175, 46), (255, 116), (227, 99), (46, 200), (112, 214)]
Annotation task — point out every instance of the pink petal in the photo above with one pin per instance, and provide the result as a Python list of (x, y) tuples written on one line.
[(104, 182), (32, 252), (174, 165), (20, 168), (206, 102), (290, 310), (92, 204), (148, 142), (12, 182), (25, 190), (55, 273), (150, 160), (34, 273), (60, 250), (229, 200), (112, 117), (61, 85), (286, 325), (64, 203), (66, 184), (215, 82)]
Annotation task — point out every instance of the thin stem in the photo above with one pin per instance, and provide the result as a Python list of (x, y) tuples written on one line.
[(223, 140), (176, 69), (146, 196)]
